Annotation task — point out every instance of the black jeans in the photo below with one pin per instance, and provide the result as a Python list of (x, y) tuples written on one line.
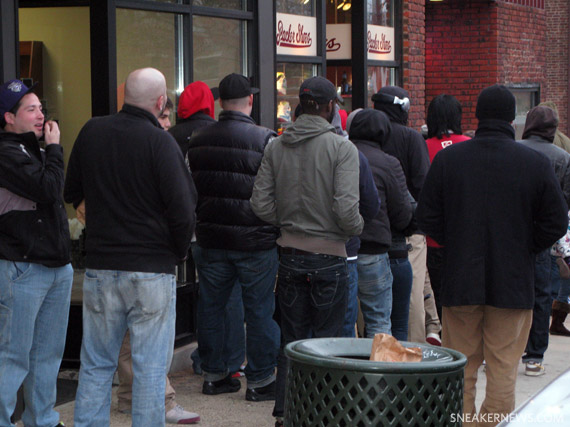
[(311, 293), (539, 331)]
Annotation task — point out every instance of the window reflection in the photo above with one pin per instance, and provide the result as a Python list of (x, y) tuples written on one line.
[(287, 82), (381, 12)]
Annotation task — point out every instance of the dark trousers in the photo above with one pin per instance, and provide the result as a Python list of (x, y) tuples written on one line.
[(539, 331), (311, 293)]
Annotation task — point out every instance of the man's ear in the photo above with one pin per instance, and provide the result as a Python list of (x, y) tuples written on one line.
[(250, 103), (220, 102), (9, 117), (160, 103)]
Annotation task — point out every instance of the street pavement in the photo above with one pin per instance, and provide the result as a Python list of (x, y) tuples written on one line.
[(233, 410)]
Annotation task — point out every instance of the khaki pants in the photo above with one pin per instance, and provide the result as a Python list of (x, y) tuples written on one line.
[(125, 368), (432, 322), (418, 258), (496, 335)]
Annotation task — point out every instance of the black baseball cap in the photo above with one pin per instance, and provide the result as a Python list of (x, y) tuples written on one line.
[(319, 88), (10, 94), (235, 86)]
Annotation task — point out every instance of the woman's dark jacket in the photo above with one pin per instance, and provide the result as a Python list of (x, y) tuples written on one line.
[(33, 221), (493, 204), (185, 127), (224, 159), (368, 129)]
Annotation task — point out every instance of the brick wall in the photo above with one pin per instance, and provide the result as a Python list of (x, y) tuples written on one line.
[(557, 61), (473, 44), (413, 58)]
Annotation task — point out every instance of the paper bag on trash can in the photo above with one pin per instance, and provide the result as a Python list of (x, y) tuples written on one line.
[(386, 348)]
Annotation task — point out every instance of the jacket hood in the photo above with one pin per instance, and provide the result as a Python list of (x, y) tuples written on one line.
[(394, 111), (542, 122), (306, 127), (370, 125), (197, 97)]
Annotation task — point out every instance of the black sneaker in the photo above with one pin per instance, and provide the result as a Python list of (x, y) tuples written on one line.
[(225, 385), (261, 394)]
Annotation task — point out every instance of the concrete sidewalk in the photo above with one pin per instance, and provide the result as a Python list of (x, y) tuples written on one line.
[(233, 410)]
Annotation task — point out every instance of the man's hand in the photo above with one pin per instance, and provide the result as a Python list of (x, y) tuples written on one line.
[(51, 132), (80, 212)]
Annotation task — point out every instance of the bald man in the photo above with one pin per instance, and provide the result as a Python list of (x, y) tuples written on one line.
[(139, 203)]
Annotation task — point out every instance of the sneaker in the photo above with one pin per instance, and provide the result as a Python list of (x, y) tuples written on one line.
[(261, 394), (178, 415), (225, 385), (60, 425), (534, 369), (433, 339), (238, 374)]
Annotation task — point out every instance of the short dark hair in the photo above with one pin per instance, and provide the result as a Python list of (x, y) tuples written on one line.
[(13, 110), (169, 105), (444, 115), (310, 106)]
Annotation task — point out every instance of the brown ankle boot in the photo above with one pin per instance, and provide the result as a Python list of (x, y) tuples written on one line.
[(557, 327)]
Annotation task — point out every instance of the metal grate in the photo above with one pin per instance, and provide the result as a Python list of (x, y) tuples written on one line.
[(318, 396)]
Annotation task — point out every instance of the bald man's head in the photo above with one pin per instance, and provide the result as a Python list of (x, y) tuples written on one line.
[(146, 88)]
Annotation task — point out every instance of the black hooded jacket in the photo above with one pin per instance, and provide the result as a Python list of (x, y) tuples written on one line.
[(185, 127), (404, 143), (368, 130)]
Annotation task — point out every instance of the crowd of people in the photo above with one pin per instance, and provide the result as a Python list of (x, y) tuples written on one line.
[(291, 235)]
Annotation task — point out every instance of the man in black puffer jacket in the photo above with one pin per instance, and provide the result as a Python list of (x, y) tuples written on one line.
[(233, 243)]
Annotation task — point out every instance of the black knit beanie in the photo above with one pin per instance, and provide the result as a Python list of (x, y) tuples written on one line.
[(496, 102)]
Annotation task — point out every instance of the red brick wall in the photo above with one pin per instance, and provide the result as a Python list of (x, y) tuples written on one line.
[(473, 44), (557, 61), (413, 58), (461, 52)]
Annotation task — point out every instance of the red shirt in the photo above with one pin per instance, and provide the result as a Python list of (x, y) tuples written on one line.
[(435, 145)]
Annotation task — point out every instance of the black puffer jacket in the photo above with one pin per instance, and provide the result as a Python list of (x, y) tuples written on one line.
[(185, 127), (404, 143), (368, 130), (224, 159), (33, 222)]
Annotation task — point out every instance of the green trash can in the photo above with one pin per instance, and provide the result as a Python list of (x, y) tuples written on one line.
[(331, 382)]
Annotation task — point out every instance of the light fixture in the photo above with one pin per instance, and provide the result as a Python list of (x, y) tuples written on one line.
[(306, 1), (340, 5), (347, 5)]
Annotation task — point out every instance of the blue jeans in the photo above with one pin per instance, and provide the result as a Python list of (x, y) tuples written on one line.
[(234, 338), (401, 290), (375, 293), (218, 271), (562, 286), (311, 290), (113, 301), (351, 301), (539, 331), (34, 309)]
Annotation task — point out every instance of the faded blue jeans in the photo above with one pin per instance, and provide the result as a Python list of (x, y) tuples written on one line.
[(34, 309), (375, 293), (218, 271), (348, 329), (113, 301)]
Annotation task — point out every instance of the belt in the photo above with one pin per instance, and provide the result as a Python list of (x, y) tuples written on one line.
[(293, 251)]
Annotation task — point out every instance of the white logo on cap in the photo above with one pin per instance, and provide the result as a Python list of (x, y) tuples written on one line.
[(15, 86)]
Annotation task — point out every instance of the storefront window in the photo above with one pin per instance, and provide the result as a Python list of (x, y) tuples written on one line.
[(379, 77), (527, 98), (147, 39), (288, 81), (225, 4), (381, 12), (296, 7), (218, 53)]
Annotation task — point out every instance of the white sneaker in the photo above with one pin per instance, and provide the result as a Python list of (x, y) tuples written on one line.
[(534, 369), (178, 415), (433, 339)]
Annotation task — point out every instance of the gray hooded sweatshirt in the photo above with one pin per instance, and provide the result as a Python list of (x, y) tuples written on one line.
[(307, 185)]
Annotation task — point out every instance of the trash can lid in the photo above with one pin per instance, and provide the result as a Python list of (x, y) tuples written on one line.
[(353, 353)]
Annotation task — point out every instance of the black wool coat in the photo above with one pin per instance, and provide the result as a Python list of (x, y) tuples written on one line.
[(493, 204)]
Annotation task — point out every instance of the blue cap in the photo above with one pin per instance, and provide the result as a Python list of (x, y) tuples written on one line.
[(10, 94)]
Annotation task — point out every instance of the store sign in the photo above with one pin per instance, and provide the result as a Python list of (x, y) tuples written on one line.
[(381, 43), (296, 35), (339, 41)]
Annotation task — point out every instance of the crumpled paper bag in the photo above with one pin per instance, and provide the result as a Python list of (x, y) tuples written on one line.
[(386, 348)]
